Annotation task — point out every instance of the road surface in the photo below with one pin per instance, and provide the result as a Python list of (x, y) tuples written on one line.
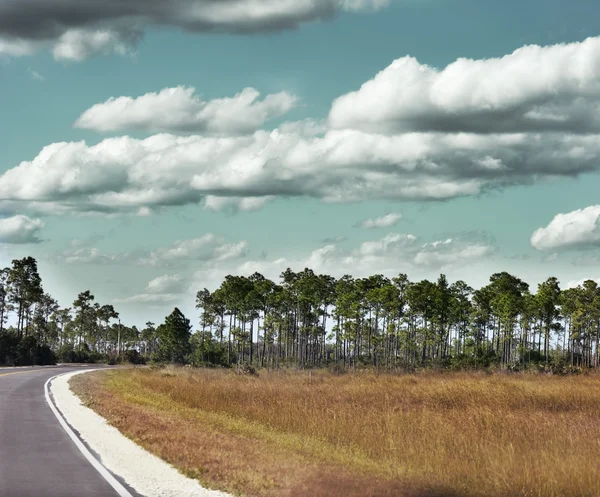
[(37, 457)]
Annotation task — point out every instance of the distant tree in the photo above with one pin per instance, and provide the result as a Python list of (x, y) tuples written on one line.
[(149, 338), (548, 300), (25, 289), (4, 297), (84, 315), (174, 337)]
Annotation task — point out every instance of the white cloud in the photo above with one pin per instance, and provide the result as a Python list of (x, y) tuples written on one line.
[(580, 282), (76, 29), (573, 230), (91, 255), (449, 252), (167, 284), (307, 128), (394, 242), (231, 251), (343, 165), (386, 221), (389, 255), (20, 229), (149, 298), (76, 45), (181, 109), (206, 248), (17, 47), (551, 88), (125, 174)]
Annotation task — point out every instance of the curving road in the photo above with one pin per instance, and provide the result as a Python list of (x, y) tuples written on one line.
[(37, 457)]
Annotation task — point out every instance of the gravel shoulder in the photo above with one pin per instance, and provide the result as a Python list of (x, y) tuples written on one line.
[(141, 470)]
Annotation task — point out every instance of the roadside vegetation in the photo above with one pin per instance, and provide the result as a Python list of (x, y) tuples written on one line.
[(308, 320), (314, 433)]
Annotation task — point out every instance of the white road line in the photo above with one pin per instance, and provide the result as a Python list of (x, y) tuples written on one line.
[(120, 489)]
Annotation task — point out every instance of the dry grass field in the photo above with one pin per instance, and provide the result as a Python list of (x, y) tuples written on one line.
[(300, 434)]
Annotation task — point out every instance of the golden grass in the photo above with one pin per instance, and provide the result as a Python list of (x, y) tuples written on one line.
[(315, 434)]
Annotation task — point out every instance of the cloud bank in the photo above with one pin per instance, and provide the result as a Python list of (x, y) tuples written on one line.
[(384, 148), (77, 29), (392, 254), (125, 174), (204, 249)]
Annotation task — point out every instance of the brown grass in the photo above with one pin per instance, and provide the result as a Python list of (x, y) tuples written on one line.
[(364, 435)]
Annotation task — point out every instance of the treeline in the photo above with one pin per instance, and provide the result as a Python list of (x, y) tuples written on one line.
[(315, 320), (87, 332), (309, 320), (43, 332)]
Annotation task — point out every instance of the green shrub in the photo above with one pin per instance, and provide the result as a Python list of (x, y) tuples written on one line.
[(24, 351)]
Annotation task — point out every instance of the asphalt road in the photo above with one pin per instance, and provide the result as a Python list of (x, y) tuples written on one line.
[(37, 457)]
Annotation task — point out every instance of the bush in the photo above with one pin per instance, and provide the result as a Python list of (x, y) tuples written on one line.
[(8, 348), (212, 356), (67, 353), (246, 369), (24, 351), (134, 357)]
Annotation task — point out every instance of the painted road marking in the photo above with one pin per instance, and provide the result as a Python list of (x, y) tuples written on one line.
[(18, 372), (112, 481)]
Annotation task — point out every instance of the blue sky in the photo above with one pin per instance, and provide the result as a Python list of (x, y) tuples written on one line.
[(455, 169)]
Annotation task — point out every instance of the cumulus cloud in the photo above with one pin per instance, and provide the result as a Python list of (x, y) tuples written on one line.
[(92, 255), (303, 159), (159, 291), (534, 89), (79, 44), (167, 284), (456, 250), (63, 25), (17, 47), (206, 248), (126, 174), (391, 254), (20, 229), (574, 230), (386, 221), (392, 243), (181, 109)]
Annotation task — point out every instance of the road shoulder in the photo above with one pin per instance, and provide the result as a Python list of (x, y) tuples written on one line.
[(147, 474)]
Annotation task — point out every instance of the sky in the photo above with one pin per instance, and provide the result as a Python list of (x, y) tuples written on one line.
[(150, 148)]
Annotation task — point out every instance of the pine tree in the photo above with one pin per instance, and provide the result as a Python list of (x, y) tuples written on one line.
[(174, 337)]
